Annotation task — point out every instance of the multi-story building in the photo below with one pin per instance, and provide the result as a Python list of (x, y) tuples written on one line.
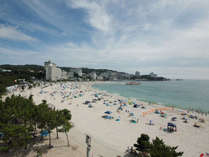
[(137, 73), (70, 75), (100, 78), (53, 73), (64, 75), (123, 76), (93, 75), (77, 71)]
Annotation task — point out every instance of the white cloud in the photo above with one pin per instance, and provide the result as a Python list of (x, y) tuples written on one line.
[(98, 16), (13, 34)]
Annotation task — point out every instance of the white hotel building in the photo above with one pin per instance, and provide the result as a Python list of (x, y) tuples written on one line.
[(53, 73)]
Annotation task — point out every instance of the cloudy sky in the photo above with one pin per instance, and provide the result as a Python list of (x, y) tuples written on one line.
[(169, 37)]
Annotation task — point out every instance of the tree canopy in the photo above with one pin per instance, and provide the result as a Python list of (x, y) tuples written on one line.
[(156, 148), (20, 118)]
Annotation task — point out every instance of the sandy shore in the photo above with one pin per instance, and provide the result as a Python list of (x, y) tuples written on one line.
[(110, 137)]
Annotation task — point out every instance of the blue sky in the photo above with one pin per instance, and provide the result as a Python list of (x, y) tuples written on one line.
[(169, 37)]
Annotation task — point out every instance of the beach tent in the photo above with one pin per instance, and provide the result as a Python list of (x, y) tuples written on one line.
[(136, 106), (197, 124), (86, 102), (107, 117), (117, 120), (133, 121), (157, 111), (131, 114), (171, 127), (108, 112)]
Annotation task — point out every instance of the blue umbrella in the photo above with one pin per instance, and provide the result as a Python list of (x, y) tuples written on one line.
[(44, 133), (1, 134)]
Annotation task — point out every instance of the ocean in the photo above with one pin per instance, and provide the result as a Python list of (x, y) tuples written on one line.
[(185, 94)]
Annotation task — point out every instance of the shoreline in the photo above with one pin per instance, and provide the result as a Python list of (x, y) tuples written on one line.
[(109, 137), (188, 109)]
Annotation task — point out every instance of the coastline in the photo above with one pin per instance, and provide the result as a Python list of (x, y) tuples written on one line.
[(184, 106), (111, 138)]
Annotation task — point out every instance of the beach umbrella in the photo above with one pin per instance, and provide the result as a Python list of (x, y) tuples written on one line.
[(117, 120), (44, 133), (173, 118)]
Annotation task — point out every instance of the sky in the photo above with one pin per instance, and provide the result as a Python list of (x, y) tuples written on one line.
[(168, 37)]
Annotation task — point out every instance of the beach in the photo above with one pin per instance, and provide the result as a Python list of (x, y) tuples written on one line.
[(126, 120)]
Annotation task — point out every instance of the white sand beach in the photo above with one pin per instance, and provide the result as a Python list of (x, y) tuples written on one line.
[(110, 137)]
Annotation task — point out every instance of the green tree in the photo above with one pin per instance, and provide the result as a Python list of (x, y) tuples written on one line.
[(66, 127), (62, 120), (156, 148), (159, 149), (20, 117), (14, 137), (47, 119), (143, 143), (2, 90)]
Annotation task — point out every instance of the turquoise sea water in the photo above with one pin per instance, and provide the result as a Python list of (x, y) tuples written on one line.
[(187, 94)]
